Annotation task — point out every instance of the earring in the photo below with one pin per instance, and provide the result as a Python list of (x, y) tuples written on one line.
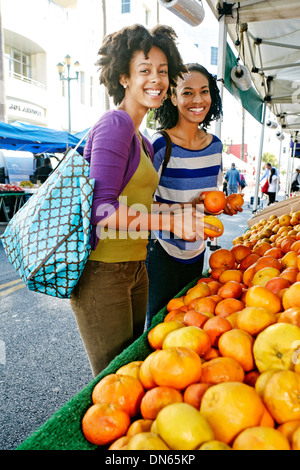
[(125, 85)]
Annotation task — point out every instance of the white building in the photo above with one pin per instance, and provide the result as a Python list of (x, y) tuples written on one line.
[(38, 34)]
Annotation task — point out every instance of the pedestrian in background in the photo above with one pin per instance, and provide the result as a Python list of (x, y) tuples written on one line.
[(272, 186), (42, 172), (233, 180), (296, 180)]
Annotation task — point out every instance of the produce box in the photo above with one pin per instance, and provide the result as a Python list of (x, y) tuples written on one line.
[(292, 204), (63, 430)]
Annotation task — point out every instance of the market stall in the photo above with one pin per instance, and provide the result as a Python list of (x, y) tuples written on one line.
[(12, 197), (217, 370)]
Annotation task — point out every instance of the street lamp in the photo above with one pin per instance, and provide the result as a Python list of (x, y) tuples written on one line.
[(62, 67)]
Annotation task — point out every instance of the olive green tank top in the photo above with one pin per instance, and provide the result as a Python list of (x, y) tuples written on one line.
[(119, 246)]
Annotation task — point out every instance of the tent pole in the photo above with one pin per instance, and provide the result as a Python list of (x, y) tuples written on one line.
[(293, 164), (221, 65), (278, 169), (288, 176), (259, 158)]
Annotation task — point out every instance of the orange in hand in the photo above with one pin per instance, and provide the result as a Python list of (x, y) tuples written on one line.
[(235, 201), (214, 201)]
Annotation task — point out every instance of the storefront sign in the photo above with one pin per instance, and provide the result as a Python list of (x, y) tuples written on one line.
[(25, 110)]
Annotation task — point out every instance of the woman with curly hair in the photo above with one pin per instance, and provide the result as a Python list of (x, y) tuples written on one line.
[(195, 165), (138, 67)]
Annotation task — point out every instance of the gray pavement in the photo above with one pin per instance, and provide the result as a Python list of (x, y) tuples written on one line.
[(42, 359)]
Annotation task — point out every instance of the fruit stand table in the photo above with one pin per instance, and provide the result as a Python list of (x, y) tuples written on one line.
[(18, 201)]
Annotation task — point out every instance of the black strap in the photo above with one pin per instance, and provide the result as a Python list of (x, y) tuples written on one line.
[(168, 149)]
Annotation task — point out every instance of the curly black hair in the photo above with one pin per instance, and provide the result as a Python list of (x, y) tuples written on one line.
[(118, 49), (167, 114)]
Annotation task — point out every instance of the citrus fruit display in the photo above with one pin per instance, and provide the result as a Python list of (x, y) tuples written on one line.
[(224, 368)]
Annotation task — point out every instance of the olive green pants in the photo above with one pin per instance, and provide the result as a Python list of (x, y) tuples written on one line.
[(109, 304)]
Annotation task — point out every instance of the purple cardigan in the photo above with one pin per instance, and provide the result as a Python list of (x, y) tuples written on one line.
[(113, 151)]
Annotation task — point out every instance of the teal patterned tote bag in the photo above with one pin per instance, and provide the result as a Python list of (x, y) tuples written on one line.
[(48, 240)]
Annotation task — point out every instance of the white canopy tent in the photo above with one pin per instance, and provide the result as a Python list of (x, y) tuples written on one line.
[(269, 35), (229, 158)]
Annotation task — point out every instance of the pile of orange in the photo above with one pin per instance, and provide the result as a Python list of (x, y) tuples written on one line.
[(224, 372)]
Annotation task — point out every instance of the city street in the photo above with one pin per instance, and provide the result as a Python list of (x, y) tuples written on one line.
[(42, 360)]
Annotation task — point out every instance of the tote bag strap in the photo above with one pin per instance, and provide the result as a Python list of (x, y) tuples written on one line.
[(168, 149)]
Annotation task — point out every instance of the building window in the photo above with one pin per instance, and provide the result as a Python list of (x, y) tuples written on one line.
[(125, 6), (19, 62), (214, 56)]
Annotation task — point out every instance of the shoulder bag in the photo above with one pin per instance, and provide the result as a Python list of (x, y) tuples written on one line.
[(48, 240)]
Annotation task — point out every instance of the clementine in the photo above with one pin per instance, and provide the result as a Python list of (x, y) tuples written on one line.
[(238, 344), (291, 315), (120, 443), (255, 319), (146, 441), (194, 318), (140, 425), (193, 394), (288, 428), (282, 396), (132, 368), (249, 261), (190, 337), (261, 438), (214, 201), (259, 296), (175, 303), (124, 391), (158, 333), (227, 306), (296, 439), (103, 423), (214, 445), (276, 284), (222, 369), (231, 275), (145, 375), (156, 398), (222, 258), (204, 305), (231, 289), (240, 251), (251, 377), (267, 262), (175, 367), (215, 327), (291, 297), (235, 201), (175, 315), (199, 290)]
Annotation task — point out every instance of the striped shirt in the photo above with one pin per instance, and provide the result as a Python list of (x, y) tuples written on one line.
[(188, 173)]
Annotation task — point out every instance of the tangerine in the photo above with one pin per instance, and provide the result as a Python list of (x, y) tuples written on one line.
[(103, 423)]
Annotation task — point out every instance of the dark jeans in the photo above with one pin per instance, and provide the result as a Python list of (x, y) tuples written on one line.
[(109, 304), (167, 277), (271, 198)]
